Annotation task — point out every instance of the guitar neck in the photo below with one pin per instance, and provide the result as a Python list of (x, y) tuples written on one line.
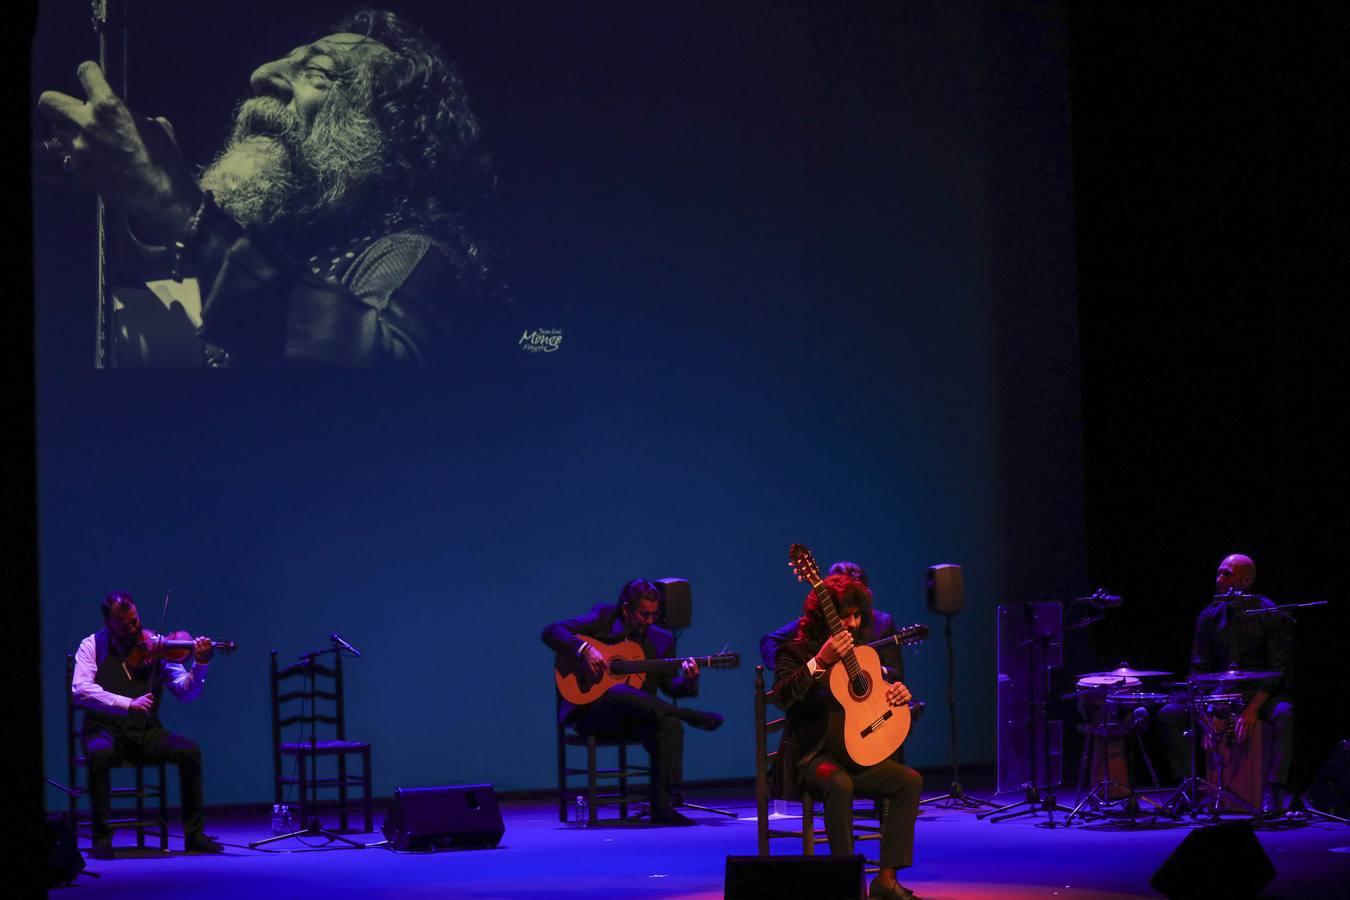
[(836, 626), (635, 666), (912, 634)]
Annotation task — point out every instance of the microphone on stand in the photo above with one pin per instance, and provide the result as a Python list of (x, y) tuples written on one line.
[(1103, 600), (339, 642)]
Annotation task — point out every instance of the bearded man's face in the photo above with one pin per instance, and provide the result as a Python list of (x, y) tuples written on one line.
[(306, 149)]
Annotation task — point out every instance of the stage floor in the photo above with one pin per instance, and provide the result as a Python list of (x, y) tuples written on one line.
[(957, 857)]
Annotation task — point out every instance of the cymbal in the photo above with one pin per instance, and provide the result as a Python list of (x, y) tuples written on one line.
[(1125, 672), (1106, 681), (1233, 675)]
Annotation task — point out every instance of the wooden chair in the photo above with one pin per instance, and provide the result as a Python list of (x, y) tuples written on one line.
[(319, 683), (621, 794), (141, 791), (764, 792)]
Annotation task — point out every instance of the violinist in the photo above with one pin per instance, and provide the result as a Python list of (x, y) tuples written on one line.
[(118, 684)]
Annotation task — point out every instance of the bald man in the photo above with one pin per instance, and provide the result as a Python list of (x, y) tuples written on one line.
[(1226, 637)]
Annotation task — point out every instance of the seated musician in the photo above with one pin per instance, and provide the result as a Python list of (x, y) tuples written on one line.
[(121, 719), (883, 626), (801, 688), (624, 712), (1227, 638)]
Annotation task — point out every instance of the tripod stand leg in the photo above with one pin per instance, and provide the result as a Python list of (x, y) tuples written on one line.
[(998, 809), (709, 809), (313, 829)]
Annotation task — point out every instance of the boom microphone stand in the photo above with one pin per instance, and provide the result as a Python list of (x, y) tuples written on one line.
[(313, 827), (1036, 799), (1300, 807)]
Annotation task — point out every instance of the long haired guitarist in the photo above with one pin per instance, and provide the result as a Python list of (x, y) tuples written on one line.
[(633, 711), (807, 759)]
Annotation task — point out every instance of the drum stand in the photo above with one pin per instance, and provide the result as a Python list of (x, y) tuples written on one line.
[(1190, 794), (1100, 794)]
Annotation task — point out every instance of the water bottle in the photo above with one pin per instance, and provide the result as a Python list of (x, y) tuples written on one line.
[(579, 811), (281, 818)]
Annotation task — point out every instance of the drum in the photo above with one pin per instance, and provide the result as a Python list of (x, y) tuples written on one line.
[(1136, 698), (1093, 691), (1115, 716)]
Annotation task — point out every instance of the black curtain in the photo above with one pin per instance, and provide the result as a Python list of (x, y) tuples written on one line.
[(1211, 262)]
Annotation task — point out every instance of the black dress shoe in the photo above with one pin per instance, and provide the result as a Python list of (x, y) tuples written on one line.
[(202, 844), (1271, 805), (707, 721), (878, 892), (671, 817)]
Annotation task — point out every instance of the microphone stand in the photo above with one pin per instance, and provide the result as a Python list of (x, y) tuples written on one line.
[(1299, 807), (1036, 799), (677, 798), (109, 20), (956, 795), (313, 827)]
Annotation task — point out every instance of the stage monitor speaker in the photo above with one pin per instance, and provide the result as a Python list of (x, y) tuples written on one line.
[(677, 604), (1216, 861), (946, 589), (1330, 790), (814, 877), (444, 818), (64, 861)]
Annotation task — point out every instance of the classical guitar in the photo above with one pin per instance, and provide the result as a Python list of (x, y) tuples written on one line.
[(864, 727), (625, 663)]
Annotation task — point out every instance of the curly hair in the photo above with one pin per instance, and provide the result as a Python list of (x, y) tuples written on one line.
[(438, 174), (849, 594), (844, 567)]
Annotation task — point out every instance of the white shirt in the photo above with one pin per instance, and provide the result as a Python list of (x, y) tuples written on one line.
[(183, 683)]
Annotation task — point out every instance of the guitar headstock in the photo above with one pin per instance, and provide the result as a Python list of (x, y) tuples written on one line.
[(803, 564), (914, 634), (724, 661)]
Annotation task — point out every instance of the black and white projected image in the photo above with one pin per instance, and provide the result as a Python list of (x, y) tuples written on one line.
[(342, 221)]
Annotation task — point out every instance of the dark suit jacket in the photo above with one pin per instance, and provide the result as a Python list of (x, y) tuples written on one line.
[(604, 625), (883, 625), (807, 702)]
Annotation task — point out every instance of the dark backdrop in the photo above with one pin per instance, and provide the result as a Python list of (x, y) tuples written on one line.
[(812, 264), (1211, 275)]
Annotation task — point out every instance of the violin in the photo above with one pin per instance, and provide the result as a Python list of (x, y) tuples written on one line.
[(174, 647)]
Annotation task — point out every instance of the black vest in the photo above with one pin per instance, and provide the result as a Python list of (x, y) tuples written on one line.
[(116, 678)]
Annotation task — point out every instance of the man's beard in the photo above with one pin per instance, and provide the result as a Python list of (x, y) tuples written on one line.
[(274, 175)]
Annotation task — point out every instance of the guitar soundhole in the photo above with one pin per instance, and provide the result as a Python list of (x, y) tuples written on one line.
[(859, 685)]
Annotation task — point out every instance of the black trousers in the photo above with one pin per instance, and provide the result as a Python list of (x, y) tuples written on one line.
[(1278, 715), (625, 713), (105, 749), (836, 785)]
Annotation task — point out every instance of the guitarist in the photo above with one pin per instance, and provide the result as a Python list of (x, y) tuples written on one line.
[(628, 713), (806, 764), (882, 626)]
